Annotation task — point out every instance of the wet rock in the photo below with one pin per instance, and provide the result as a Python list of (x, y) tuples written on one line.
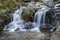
[(45, 27), (28, 25), (27, 17), (4, 20)]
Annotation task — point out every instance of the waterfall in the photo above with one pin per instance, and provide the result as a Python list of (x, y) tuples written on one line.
[(39, 19), (17, 21)]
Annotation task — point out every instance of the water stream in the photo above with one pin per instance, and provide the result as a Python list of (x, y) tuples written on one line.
[(18, 23)]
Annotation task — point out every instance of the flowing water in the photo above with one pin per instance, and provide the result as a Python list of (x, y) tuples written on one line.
[(18, 23)]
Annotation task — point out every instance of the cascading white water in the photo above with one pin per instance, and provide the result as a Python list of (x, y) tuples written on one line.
[(39, 19), (17, 21)]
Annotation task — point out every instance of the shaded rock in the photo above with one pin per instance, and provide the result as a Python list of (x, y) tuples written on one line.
[(4, 20), (45, 27), (27, 17), (28, 25)]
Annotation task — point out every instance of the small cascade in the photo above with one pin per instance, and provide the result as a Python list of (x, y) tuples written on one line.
[(17, 21), (39, 19)]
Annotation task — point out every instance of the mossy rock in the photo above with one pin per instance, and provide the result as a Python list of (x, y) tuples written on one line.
[(27, 17), (1, 28), (31, 12)]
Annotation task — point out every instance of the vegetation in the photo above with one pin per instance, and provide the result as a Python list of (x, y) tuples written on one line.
[(8, 6)]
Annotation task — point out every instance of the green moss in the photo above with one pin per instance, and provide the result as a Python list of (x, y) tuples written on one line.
[(1, 20), (1, 28), (8, 6)]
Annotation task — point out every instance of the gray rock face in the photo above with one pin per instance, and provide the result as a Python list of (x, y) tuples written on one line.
[(22, 36)]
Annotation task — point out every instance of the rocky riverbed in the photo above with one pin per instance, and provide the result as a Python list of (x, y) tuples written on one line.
[(21, 36), (30, 35)]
